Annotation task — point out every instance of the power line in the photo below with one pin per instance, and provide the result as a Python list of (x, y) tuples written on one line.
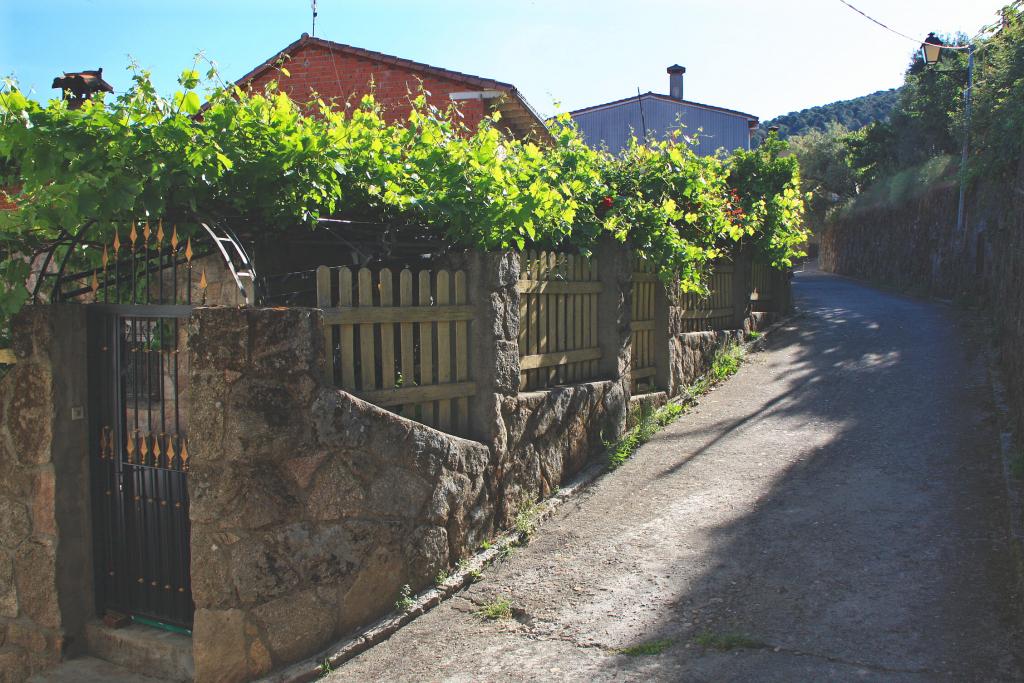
[(892, 30)]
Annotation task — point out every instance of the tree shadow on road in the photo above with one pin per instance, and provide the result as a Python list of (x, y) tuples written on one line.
[(877, 548)]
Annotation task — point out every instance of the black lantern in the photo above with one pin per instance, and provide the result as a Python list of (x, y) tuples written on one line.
[(931, 49)]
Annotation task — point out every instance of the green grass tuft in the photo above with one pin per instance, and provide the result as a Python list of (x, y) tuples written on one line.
[(405, 600), (526, 520), (651, 647), (648, 424), (499, 609)]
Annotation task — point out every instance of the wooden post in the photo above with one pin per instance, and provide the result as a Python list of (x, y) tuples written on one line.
[(742, 275)]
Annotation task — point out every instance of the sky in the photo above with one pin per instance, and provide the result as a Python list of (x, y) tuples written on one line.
[(762, 58)]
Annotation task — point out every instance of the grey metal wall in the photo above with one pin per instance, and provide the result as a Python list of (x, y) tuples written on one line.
[(613, 125)]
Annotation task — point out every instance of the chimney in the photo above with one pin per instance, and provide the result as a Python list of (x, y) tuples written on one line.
[(675, 81), (78, 86)]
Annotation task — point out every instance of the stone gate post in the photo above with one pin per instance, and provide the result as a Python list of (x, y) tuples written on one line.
[(46, 579)]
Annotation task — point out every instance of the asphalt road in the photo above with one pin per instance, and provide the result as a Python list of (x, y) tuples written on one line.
[(834, 512)]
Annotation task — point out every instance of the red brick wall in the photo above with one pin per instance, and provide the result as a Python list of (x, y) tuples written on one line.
[(340, 76)]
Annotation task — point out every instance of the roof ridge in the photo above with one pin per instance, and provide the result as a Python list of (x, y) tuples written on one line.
[(307, 39), (660, 96)]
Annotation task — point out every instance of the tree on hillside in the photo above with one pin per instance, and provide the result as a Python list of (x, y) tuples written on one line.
[(852, 114), (924, 123), (824, 169)]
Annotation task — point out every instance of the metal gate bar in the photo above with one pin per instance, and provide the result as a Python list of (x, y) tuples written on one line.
[(141, 457)]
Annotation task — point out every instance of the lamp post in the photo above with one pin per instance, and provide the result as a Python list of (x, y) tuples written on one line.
[(931, 51)]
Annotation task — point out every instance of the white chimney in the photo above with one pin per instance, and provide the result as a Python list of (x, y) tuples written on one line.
[(675, 81)]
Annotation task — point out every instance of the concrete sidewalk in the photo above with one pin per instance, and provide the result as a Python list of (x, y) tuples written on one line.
[(834, 512)]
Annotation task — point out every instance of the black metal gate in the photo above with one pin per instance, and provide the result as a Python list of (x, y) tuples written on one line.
[(139, 292), (140, 461)]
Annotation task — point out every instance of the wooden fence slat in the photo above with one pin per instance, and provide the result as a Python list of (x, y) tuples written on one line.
[(542, 308), (405, 331), (570, 317), (559, 308), (367, 343), (586, 341), (410, 395), (346, 333), (534, 317), (558, 316), (706, 313), (376, 315), (396, 334), (547, 360), (387, 332), (426, 330), (461, 352), (524, 312), (552, 326), (323, 301), (444, 351), (593, 271)]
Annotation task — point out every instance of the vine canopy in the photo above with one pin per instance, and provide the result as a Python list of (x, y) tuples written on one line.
[(262, 161)]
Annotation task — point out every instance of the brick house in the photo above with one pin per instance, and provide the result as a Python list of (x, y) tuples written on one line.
[(340, 72)]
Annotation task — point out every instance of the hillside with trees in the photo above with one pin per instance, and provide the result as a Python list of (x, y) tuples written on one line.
[(850, 114)]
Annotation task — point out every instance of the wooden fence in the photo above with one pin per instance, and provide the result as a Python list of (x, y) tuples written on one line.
[(557, 319), (713, 312), (762, 291), (644, 337), (408, 353)]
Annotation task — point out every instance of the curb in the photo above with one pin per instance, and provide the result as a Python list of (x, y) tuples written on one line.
[(312, 669)]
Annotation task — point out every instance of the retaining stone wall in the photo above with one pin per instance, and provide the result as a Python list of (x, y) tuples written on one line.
[(915, 246)]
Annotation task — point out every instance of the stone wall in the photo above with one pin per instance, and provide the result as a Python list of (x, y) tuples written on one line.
[(911, 246), (915, 246), (310, 508), (548, 436), (45, 569), (692, 353)]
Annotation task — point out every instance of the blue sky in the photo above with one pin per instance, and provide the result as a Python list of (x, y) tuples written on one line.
[(764, 58)]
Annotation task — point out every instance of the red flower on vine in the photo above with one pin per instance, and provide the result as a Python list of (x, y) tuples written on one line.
[(607, 202)]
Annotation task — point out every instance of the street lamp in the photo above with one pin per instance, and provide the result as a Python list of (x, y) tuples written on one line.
[(931, 49)]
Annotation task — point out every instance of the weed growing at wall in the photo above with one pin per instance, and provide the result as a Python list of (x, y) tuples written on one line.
[(525, 523), (725, 364), (405, 600), (649, 422)]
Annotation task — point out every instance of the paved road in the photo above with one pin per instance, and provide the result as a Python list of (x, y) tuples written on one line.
[(834, 511)]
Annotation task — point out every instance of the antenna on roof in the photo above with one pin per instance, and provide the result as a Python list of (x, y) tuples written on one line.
[(643, 122), (314, 18)]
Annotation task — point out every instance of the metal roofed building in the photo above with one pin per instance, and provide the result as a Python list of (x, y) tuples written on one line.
[(611, 124)]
